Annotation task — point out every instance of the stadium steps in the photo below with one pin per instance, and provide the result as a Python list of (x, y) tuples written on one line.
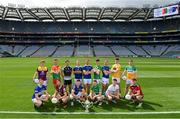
[(35, 51), (145, 51), (93, 51), (22, 51), (131, 50), (54, 51), (113, 51), (165, 50), (74, 51)]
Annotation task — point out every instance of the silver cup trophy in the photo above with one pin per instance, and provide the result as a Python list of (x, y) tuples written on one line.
[(87, 105)]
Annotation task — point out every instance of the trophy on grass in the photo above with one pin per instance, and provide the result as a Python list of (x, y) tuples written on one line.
[(87, 105)]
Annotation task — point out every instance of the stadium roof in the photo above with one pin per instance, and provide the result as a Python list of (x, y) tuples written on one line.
[(22, 13), (87, 3)]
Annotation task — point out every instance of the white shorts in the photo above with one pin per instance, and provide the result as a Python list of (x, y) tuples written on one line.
[(118, 79), (87, 81), (105, 80), (128, 81), (45, 82)]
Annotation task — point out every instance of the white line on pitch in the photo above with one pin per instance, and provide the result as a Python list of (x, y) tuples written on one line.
[(106, 113)]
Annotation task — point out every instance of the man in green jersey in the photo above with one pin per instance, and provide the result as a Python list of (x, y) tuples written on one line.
[(96, 93), (97, 71), (130, 72), (56, 72)]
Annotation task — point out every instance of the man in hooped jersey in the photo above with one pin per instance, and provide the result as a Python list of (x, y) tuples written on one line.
[(78, 71), (40, 94), (56, 72), (87, 71), (41, 72), (130, 72)]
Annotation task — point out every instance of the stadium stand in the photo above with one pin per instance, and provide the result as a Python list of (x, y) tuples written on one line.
[(66, 50)]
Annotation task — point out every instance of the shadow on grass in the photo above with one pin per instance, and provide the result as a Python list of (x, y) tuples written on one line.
[(111, 107)]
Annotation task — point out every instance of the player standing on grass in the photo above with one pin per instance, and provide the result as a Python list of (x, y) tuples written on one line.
[(40, 94), (78, 71), (56, 72), (97, 71), (130, 72), (116, 72), (67, 72), (136, 93), (112, 92), (87, 71), (96, 93), (41, 72), (61, 94), (105, 76)]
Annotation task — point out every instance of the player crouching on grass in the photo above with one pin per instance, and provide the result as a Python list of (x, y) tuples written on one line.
[(78, 93), (135, 93), (96, 93), (40, 94), (112, 93), (61, 94)]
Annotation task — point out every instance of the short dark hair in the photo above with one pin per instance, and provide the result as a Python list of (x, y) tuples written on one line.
[(97, 60), (134, 79), (95, 81), (77, 80), (66, 61), (114, 79), (117, 58), (55, 59)]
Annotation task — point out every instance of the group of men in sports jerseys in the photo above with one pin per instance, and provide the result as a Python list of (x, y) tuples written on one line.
[(85, 86)]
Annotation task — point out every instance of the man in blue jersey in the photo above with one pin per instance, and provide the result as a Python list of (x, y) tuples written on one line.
[(87, 71), (78, 71), (40, 94), (105, 77), (78, 92)]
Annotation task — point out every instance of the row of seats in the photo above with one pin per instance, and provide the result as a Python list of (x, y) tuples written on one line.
[(85, 50)]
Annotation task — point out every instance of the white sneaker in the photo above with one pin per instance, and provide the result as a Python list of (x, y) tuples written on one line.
[(139, 105), (100, 103), (72, 103)]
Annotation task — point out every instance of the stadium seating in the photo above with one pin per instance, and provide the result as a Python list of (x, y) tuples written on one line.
[(102, 50), (84, 50), (121, 51), (66, 50)]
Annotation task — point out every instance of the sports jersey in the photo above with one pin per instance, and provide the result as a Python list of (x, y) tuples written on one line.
[(105, 68), (96, 89), (61, 90), (135, 88), (87, 68), (42, 72), (39, 90), (78, 75), (67, 70), (112, 89), (56, 69), (131, 70), (118, 68), (97, 76), (77, 89)]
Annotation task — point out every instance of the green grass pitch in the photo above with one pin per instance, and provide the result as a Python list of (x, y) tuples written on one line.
[(159, 79)]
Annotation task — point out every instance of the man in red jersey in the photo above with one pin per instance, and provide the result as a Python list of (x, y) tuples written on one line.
[(136, 93)]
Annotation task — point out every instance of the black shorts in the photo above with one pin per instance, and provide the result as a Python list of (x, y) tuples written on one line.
[(67, 82)]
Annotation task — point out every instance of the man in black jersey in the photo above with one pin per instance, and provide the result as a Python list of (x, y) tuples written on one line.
[(67, 72)]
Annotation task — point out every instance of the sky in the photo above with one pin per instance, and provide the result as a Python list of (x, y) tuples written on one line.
[(87, 3)]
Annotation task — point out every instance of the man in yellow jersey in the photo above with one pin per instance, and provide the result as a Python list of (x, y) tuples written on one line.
[(130, 72), (116, 71)]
